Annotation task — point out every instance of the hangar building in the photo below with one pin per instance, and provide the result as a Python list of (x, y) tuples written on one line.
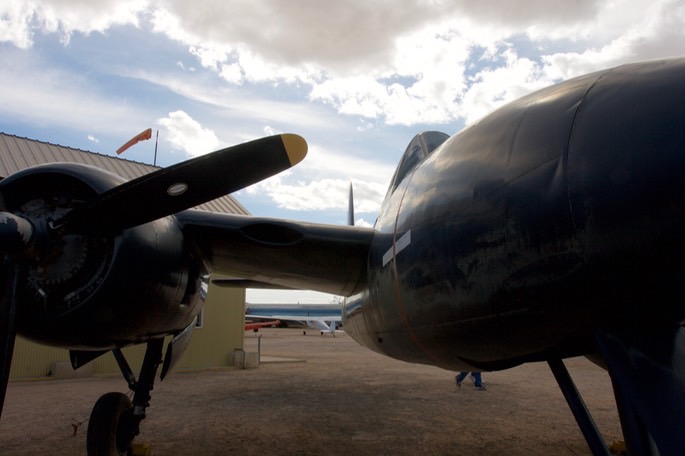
[(219, 331)]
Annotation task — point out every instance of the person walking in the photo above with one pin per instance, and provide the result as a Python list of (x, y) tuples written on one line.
[(475, 376)]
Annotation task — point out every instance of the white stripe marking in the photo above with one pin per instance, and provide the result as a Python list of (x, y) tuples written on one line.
[(401, 244)]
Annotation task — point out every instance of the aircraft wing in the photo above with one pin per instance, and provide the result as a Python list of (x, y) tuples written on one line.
[(300, 318), (280, 253), (327, 323)]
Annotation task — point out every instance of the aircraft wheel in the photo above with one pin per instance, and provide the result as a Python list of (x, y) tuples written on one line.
[(109, 429)]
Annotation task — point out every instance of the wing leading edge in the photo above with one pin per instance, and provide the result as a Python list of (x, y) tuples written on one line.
[(296, 317), (281, 253)]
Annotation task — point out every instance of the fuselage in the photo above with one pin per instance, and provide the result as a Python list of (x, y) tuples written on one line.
[(514, 240)]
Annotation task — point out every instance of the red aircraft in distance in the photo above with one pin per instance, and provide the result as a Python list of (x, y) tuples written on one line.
[(255, 325)]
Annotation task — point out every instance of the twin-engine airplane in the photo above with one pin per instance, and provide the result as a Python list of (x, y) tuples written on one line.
[(554, 227)]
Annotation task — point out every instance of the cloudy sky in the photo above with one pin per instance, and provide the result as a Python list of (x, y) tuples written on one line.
[(356, 78)]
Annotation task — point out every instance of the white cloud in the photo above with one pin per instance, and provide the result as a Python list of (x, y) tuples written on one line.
[(228, 101), (19, 18), (182, 66), (649, 30), (319, 194), (322, 181), (15, 23), (362, 222), (493, 87), (256, 296), (358, 95), (232, 73), (297, 32), (404, 62), (523, 13), (270, 131), (324, 161), (413, 70), (184, 133), (67, 100)]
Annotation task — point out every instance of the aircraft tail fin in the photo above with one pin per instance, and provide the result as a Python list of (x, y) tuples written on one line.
[(350, 208), (323, 326)]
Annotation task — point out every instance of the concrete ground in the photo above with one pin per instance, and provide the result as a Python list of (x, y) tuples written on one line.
[(334, 397)]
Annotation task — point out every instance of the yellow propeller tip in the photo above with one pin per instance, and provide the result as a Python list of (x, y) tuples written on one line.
[(295, 147)]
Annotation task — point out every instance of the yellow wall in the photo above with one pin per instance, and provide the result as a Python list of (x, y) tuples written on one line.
[(212, 345)]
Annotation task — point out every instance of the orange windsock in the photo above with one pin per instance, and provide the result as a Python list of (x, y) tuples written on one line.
[(142, 136)]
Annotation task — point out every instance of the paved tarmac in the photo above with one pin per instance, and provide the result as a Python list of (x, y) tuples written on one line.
[(332, 397)]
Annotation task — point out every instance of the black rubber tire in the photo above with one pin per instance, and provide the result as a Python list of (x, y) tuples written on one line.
[(109, 427)]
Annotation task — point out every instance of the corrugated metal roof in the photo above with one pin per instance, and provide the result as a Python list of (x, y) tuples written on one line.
[(17, 153)]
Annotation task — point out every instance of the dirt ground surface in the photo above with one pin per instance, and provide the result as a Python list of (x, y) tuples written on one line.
[(333, 397)]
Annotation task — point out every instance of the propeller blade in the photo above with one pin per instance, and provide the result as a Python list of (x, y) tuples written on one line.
[(186, 184), (8, 279)]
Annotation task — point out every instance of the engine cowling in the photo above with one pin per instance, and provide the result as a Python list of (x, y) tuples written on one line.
[(94, 288)]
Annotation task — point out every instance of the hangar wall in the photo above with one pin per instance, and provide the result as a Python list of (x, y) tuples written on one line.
[(212, 345)]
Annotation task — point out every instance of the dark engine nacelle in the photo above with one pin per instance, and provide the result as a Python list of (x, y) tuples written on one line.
[(88, 288)]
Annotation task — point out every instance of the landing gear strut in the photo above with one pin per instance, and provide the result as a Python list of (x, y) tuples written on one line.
[(648, 375), (580, 412), (115, 419)]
